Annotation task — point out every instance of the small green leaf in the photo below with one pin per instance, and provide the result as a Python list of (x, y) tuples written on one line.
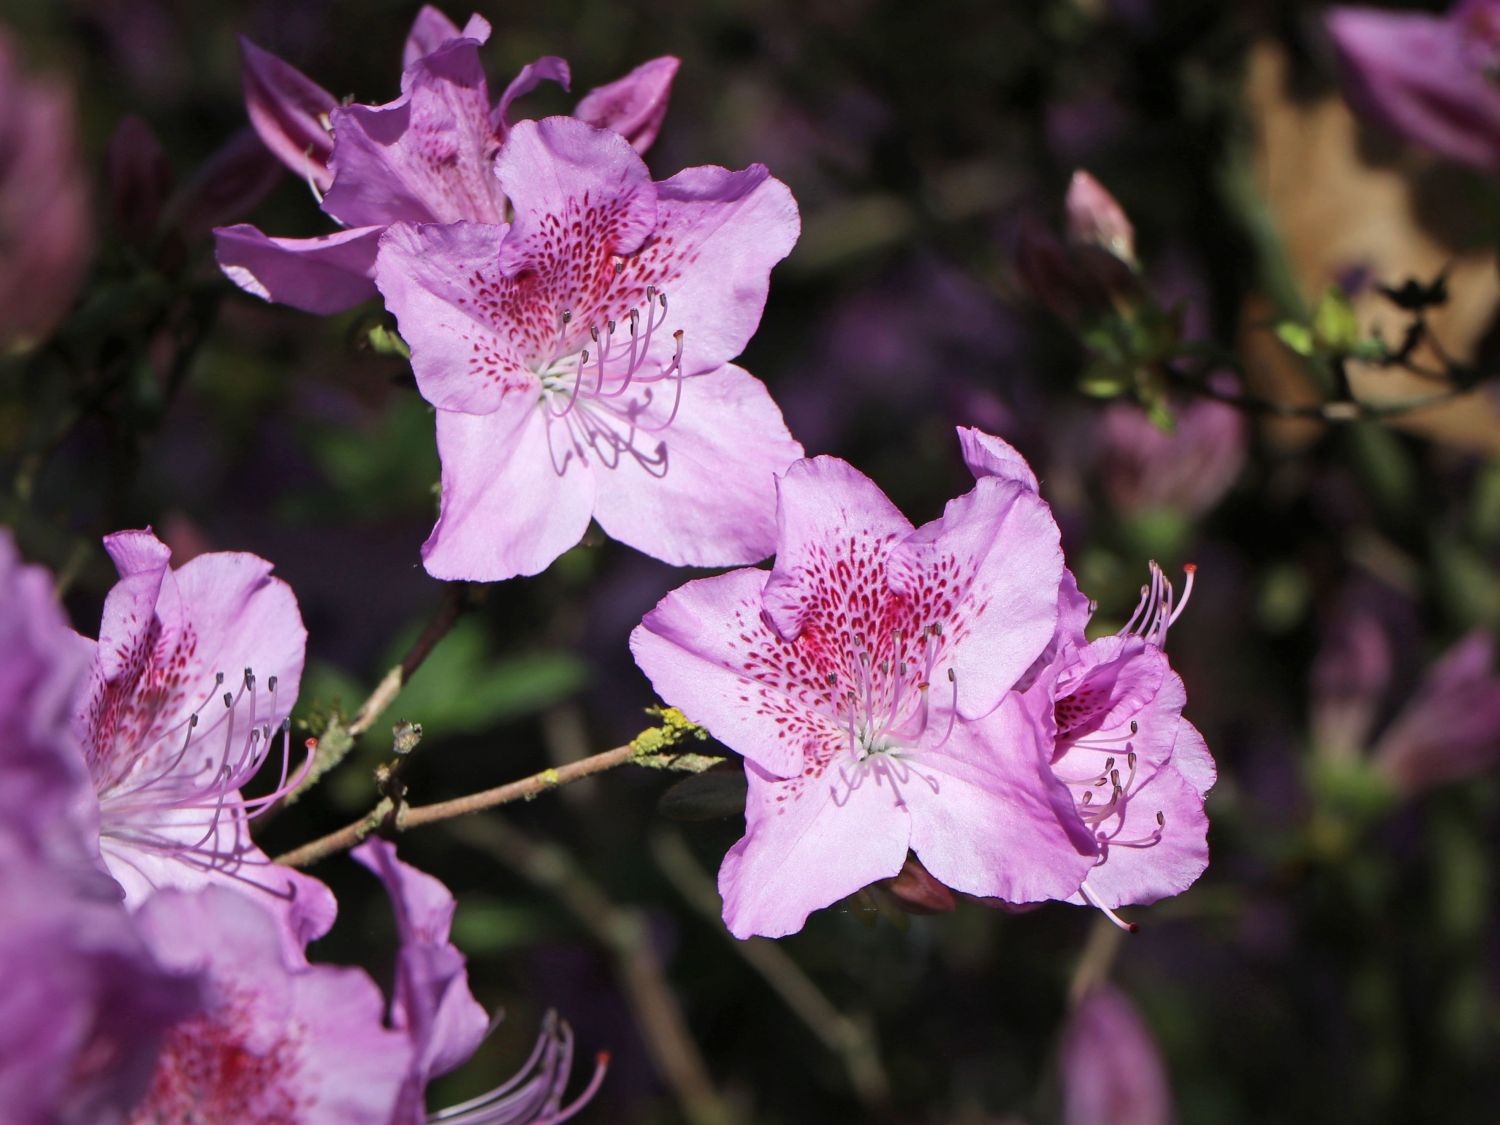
[(1297, 337), (1334, 326)]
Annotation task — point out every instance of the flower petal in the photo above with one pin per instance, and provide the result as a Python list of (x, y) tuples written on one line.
[(988, 817), (458, 315), (1414, 74), (634, 105), (290, 112), (580, 195), (321, 275), (432, 30), (511, 503), (998, 546), (823, 502), (712, 501), (807, 846), (708, 652), (548, 68), (1135, 871), (989, 456), (425, 157)]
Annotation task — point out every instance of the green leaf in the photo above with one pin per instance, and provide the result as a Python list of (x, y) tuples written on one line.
[(461, 688), (1334, 325), (1297, 337)]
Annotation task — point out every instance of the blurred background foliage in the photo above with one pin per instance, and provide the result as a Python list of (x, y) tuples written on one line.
[(1337, 961)]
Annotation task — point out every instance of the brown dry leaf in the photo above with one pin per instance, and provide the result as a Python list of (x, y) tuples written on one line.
[(1335, 211)]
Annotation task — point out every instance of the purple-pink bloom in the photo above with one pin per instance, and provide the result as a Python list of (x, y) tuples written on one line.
[(44, 207), (1432, 79), (192, 684), (427, 156), (1142, 467), (1111, 1068), (1138, 772), (867, 682), (279, 1039), (579, 357), (83, 1005)]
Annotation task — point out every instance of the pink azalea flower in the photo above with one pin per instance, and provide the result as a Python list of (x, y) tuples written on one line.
[(280, 1040), (578, 357), (1432, 79), (1112, 711), (1112, 1069), (192, 683), (867, 681), (426, 157), (83, 1005)]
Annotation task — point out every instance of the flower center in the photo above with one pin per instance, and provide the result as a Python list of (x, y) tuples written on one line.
[(601, 398), (185, 802), (885, 700)]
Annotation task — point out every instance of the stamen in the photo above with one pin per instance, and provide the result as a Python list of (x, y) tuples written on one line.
[(1093, 899)]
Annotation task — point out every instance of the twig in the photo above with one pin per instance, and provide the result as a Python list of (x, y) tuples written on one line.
[(624, 933), (850, 1038), (416, 815), (1337, 410), (657, 748), (338, 739)]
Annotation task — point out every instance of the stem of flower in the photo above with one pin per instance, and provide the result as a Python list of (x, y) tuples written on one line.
[(413, 816)]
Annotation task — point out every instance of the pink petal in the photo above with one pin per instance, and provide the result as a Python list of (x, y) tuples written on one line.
[(824, 501), (290, 112), (700, 646), (988, 817), (1134, 871), (506, 507), (432, 1002), (807, 846), (718, 235), (1415, 74), (457, 314), (1112, 1070), (432, 30), (1000, 545), (634, 105), (548, 68), (713, 499), (989, 456), (425, 157), (321, 275), (563, 177)]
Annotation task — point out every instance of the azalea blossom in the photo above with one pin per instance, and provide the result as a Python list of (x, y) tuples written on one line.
[(1112, 711), (1429, 78), (579, 357), (427, 156), (279, 1039), (83, 1004), (867, 682), (192, 682)]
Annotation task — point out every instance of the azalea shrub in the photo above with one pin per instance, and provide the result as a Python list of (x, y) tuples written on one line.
[(731, 565)]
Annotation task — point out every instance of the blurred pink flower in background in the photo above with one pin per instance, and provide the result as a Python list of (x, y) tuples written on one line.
[(1186, 470), (1111, 1068), (45, 237), (1430, 79)]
